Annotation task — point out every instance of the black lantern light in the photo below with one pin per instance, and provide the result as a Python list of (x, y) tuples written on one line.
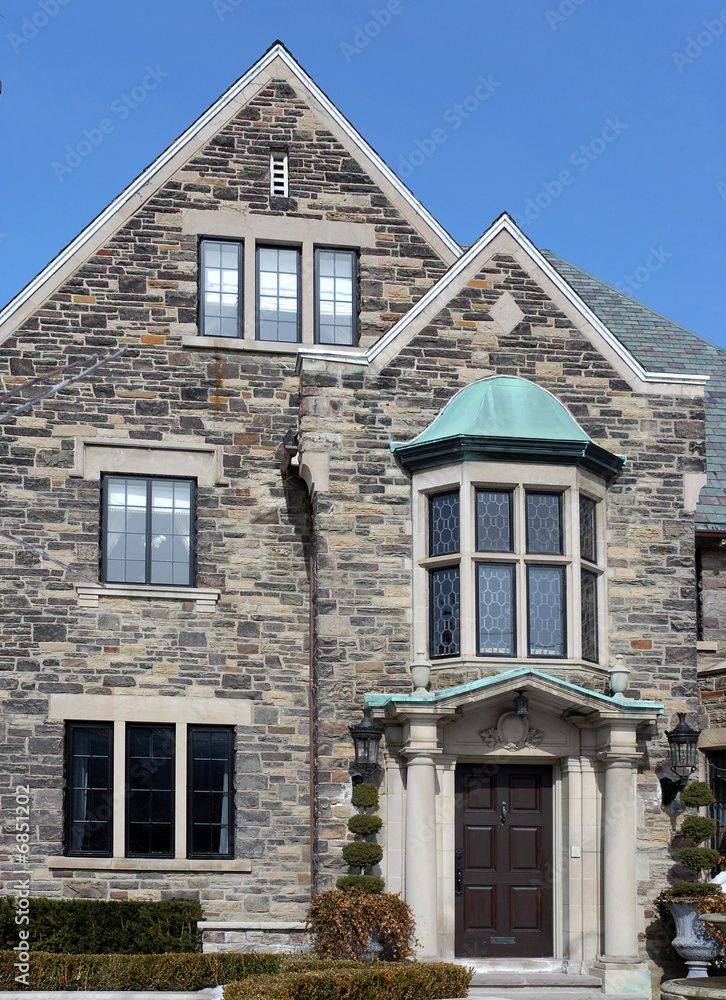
[(366, 736), (521, 705), (683, 755)]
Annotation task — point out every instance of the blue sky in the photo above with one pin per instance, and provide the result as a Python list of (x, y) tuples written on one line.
[(598, 126)]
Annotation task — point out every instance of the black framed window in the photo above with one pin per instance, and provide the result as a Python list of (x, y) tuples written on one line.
[(546, 611), (89, 788), (336, 292), (209, 789), (544, 524), (716, 765), (220, 306), (445, 612), (494, 521), (148, 530), (444, 526), (588, 615), (278, 294), (150, 820)]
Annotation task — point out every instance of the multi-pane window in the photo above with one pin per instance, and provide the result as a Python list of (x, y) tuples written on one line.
[(210, 791), (501, 565), (147, 530), (89, 788), (278, 294), (150, 803), (221, 286), (335, 293)]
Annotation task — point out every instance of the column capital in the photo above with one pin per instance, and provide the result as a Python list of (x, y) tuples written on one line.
[(421, 755)]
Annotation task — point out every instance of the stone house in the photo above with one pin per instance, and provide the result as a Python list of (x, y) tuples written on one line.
[(338, 444)]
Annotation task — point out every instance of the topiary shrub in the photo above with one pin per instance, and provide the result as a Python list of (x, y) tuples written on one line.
[(361, 854), (681, 887), (364, 824), (697, 793), (343, 923), (698, 828), (369, 883), (365, 796), (698, 858)]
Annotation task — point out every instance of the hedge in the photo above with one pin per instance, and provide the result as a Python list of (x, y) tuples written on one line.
[(190, 972), (97, 927), (394, 981)]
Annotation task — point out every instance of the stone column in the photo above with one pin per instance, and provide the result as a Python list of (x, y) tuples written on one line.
[(620, 938), (421, 874)]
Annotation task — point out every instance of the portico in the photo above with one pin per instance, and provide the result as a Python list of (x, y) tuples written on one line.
[(486, 856)]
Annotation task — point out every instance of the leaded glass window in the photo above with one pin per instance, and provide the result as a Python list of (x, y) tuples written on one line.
[(278, 294), (588, 533), (89, 788), (335, 282), (588, 615), (546, 610), (221, 280), (210, 791), (494, 521), (149, 791), (544, 523), (444, 524), (496, 623), (444, 612)]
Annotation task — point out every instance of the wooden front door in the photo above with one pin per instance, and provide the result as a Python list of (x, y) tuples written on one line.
[(503, 878)]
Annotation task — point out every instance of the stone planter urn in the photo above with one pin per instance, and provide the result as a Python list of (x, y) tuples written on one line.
[(693, 942), (421, 674), (619, 678)]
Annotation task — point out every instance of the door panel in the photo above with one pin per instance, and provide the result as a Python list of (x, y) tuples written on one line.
[(504, 833)]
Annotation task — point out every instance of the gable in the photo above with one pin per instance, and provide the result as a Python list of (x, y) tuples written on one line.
[(276, 68)]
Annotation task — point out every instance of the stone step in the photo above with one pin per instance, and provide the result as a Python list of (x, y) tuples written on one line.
[(548, 980), (538, 992)]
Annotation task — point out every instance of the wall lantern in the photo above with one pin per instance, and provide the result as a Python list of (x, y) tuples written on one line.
[(683, 757), (366, 737), (521, 705)]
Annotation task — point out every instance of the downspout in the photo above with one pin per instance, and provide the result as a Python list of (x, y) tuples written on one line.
[(291, 474)]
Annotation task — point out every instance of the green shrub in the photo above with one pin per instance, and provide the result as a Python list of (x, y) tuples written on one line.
[(698, 828), (365, 824), (698, 858), (342, 923), (365, 796), (190, 972), (361, 854), (697, 793), (369, 883), (97, 927), (400, 981), (681, 887)]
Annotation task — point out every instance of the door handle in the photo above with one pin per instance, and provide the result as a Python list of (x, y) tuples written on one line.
[(503, 813), (459, 869)]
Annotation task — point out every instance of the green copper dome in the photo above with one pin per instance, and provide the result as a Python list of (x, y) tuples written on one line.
[(505, 418)]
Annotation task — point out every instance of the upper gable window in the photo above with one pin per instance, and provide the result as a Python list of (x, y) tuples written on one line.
[(221, 287), (278, 174), (147, 530), (279, 304), (278, 294), (335, 292), (511, 564)]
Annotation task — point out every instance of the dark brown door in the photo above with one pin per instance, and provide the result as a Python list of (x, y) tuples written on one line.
[(503, 860)]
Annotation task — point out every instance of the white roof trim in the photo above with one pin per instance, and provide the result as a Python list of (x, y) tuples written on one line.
[(277, 51), (506, 224)]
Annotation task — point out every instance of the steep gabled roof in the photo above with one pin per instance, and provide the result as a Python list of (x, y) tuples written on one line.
[(276, 63), (658, 342)]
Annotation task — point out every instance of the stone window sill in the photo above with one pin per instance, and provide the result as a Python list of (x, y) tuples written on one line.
[(240, 344), (205, 598), (149, 864)]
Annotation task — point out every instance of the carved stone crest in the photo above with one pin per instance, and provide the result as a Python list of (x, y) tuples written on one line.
[(511, 733)]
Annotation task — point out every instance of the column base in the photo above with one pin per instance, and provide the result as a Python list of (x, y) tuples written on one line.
[(623, 975)]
